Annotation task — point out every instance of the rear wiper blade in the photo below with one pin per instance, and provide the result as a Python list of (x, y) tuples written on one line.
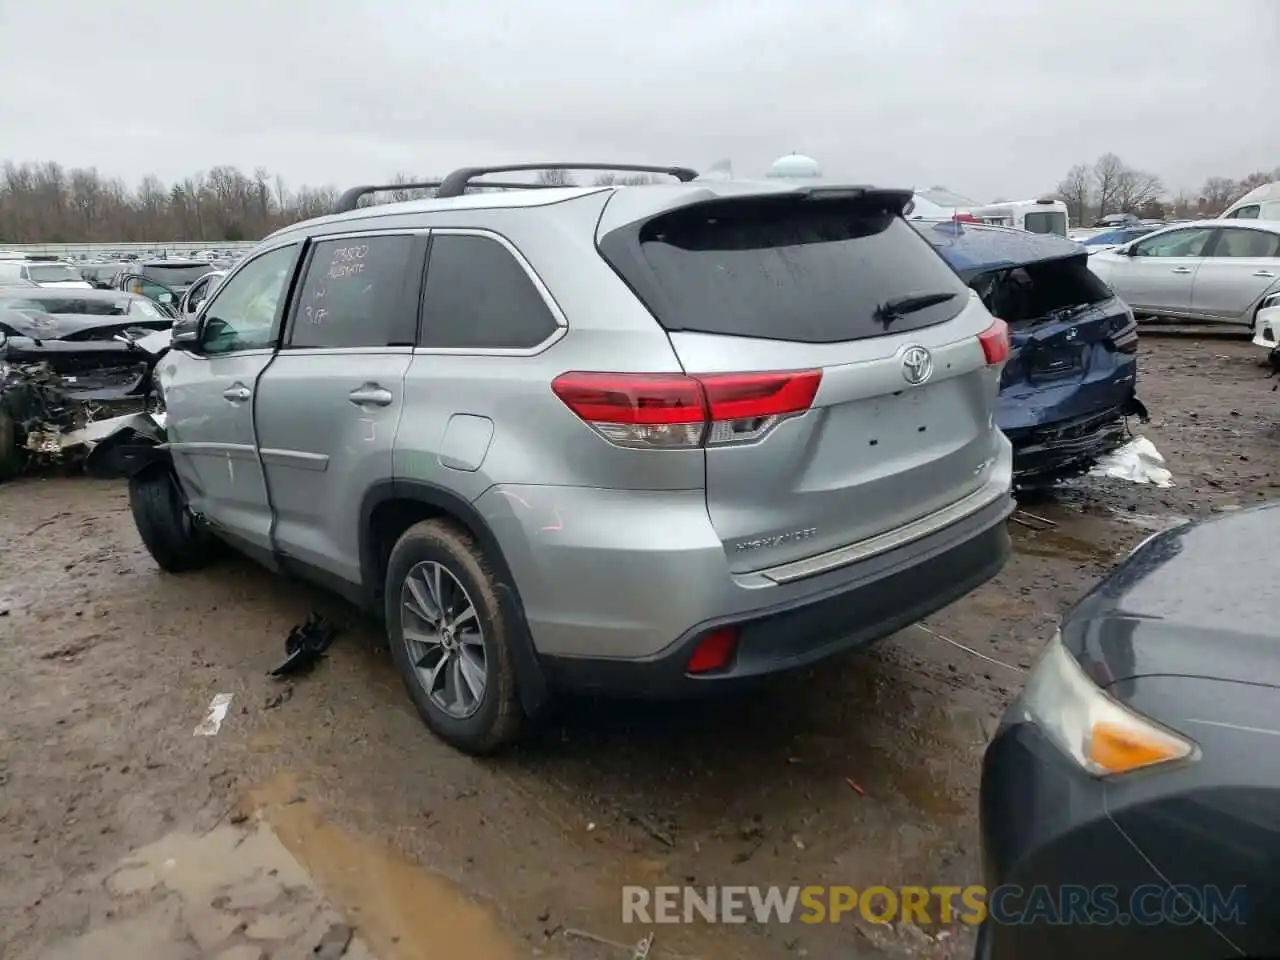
[(896, 307)]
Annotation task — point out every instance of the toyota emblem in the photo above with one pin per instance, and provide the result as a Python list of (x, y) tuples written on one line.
[(917, 365)]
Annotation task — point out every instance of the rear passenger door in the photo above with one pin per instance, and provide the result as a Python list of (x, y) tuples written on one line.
[(1240, 267), (485, 314), (329, 404)]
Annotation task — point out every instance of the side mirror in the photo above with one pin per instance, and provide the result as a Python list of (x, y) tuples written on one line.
[(186, 333)]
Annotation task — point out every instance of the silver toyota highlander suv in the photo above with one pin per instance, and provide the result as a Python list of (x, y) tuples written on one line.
[(642, 440)]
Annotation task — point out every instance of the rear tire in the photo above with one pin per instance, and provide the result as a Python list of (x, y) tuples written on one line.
[(168, 530), (12, 459), (476, 725)]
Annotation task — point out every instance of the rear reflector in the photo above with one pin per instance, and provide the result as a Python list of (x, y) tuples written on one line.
[(678, 411), (995, 342), (714, 651)]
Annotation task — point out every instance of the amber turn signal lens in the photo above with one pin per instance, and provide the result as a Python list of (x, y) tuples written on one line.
[(1118, 749)]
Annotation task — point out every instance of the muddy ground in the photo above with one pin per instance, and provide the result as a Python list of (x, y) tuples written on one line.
[(107, 665)]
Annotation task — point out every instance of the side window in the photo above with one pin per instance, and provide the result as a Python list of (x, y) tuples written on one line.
[(1238, 242), (242, 313), (1176, 243), (353, 294), (144, 308), (1245, 213), (479, 297)]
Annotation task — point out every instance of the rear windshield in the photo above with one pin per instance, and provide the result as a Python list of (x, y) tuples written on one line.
[(1040, 291), (175, 276), (785, 269), (75, 305), (52, 273), (1046, 221)]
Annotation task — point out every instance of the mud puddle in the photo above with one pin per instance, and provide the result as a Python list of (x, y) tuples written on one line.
[(401, 910)]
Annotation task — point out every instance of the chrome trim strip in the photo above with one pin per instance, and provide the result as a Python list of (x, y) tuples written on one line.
[(300, 459), (233, 451), (984, 496)]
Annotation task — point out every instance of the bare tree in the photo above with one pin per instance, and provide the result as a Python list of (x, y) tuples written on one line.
[(1136, 189), (1107, 172), (1218, 192), (556, 178), (1075, 190)]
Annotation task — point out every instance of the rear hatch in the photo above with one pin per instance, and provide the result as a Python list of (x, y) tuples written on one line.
[(766, 298), (1074, 345)]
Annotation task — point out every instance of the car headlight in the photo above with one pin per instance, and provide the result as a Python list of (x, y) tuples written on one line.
[(1100, 734)]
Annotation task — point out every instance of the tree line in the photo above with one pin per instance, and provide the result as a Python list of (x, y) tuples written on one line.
[(49, 203), (1110, 185)]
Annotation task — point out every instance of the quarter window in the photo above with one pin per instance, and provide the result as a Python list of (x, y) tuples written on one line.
[(354, 294), (479, 297)]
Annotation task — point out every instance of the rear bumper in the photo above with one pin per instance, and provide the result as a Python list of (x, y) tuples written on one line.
[(1266, 332), (801, 632), (1068, 447)]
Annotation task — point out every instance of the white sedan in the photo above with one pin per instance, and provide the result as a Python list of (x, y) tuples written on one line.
[(1208, 271)]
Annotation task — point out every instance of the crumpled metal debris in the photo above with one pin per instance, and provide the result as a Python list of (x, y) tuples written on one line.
[(33, 396)]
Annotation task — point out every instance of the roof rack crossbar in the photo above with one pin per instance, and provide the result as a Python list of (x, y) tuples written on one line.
[(456, 183), (350, 199)]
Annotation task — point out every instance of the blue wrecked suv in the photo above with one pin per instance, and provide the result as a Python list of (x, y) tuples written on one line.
[(1072, 375)]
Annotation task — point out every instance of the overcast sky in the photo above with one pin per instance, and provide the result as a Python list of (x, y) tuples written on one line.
[(987, 97)]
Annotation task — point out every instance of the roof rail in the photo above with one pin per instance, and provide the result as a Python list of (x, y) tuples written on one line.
[(350, 199), (456, 183)]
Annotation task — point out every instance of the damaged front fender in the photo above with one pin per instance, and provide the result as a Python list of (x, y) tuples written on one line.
[(124, 446)]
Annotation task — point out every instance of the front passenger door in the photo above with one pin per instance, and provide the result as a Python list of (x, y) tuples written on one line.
[(209, 395)]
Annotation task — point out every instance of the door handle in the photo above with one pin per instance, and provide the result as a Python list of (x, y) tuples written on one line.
[(1265, 273), (1181, 270), (371, 394), (237, 394)]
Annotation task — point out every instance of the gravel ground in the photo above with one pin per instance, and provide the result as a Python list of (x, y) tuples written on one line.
[(107, 665)]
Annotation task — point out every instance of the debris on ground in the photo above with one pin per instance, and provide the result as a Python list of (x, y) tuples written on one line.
[(305, 645), (334, 943), (276, 699), (1138, 461), (639, 951), (212, 722)]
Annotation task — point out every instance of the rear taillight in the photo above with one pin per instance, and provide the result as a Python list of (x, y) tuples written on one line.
[(674, 411), (995, 342)]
